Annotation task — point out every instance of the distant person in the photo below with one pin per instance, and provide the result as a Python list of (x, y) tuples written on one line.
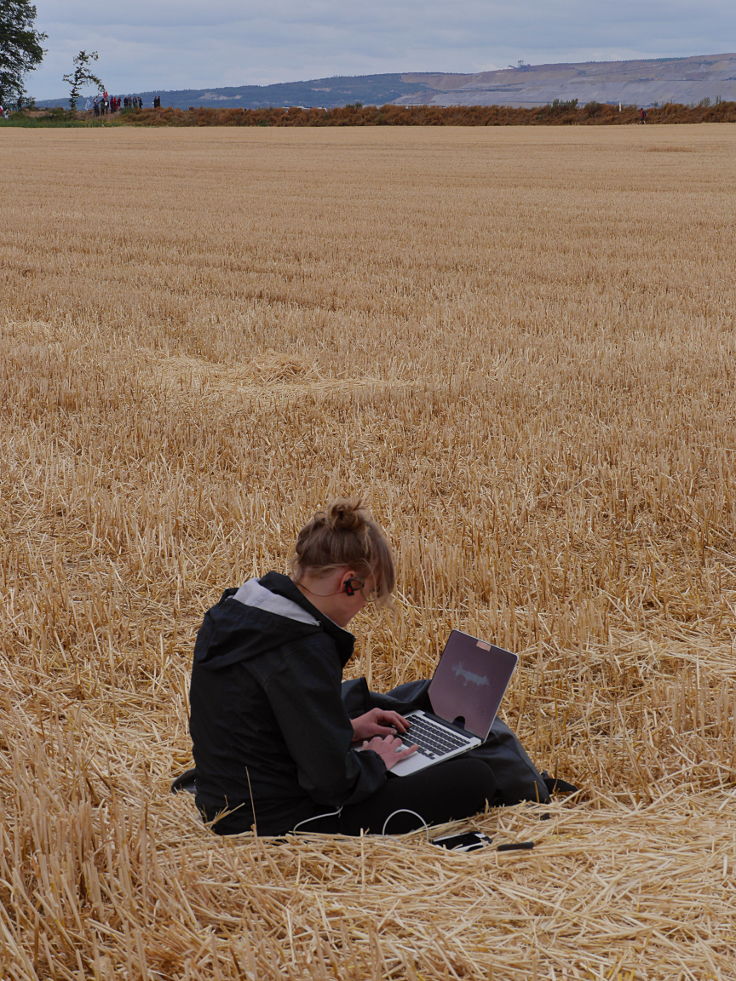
[(642, 115)]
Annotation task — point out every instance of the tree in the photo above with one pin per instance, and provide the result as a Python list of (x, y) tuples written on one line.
[(81, 76), (20, 47)]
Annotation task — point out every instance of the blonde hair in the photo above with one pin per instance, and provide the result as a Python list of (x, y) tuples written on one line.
[(345, 535)]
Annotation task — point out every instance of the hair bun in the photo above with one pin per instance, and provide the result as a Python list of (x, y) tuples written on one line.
[(346, 514), (344, 534)]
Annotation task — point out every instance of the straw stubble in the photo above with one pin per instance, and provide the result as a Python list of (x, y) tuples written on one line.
[(519, 347)]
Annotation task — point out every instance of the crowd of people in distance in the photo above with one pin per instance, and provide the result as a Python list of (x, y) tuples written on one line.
[(104, 103)]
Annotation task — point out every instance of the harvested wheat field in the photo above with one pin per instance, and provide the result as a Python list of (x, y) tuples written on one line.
[(518, 345)]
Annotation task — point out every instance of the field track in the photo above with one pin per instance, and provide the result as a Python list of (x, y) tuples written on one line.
[(519, 345)]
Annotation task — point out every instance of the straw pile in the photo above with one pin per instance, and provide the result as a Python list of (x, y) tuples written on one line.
[(519, 345)]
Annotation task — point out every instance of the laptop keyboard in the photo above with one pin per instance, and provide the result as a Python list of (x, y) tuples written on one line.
[(432, 739)]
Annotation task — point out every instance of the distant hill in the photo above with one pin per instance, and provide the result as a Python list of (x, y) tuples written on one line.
[(324, 92), (643, 83)]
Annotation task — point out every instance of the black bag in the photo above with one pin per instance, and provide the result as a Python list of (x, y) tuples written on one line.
[(516, 776)]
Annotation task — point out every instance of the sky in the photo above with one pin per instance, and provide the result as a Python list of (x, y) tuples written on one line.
[(148, 45)]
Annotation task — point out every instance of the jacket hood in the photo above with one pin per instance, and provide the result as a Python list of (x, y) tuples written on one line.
[(253, 594), (258, 617)]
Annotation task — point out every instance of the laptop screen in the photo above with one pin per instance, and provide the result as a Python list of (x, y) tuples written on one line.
[(470, 682)]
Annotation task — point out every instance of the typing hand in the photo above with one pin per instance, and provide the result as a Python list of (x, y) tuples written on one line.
[(390, 749), (378, 722)]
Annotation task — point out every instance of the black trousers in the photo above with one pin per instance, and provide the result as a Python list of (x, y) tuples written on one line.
[(448, 791)]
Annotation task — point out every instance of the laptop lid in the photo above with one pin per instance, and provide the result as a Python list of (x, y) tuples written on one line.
[(470, 681)]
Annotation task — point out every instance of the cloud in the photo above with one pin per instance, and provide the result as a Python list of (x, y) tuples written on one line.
[(170, 45)]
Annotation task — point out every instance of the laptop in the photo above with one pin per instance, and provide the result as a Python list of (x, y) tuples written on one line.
[(465, 693)]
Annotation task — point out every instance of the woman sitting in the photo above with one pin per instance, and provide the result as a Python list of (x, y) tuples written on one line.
[(274, 746)]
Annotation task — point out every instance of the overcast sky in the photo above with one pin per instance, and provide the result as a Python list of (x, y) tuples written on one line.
[(159, 44)]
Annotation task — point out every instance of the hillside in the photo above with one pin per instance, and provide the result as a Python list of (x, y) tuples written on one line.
[(646, 83), (653, 82), (327, 92)]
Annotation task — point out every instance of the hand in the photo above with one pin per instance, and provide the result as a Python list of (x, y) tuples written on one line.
[(377, 722), (390, 749)]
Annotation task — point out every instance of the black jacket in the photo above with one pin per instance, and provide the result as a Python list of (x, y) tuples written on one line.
[(270, 732)]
